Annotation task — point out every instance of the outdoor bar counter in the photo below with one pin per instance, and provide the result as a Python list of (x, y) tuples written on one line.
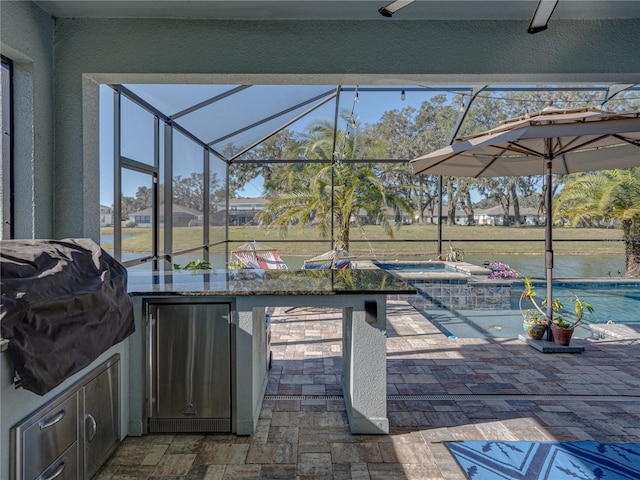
[(360, 293)]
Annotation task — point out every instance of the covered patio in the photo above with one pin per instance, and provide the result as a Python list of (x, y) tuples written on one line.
[(61, 53)]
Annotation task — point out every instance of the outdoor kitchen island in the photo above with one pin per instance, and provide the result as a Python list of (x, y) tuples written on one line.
[(360, 293)]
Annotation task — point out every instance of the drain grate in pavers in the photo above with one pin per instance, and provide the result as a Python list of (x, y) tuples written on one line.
[(303, 397), (602, 398)]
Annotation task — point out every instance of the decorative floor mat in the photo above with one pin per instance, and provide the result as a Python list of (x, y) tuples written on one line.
[(587, 460)]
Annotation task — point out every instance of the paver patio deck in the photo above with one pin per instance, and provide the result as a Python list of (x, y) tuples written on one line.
[(439, 390)]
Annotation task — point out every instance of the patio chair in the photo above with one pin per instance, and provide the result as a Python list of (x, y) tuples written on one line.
[(258, 255), (333, 259)]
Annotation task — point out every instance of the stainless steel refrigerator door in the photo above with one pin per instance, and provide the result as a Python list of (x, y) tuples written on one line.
[(190, 361)]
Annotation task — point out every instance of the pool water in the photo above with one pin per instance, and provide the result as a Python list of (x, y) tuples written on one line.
[(411, 267), (483, 323), (613, 303)]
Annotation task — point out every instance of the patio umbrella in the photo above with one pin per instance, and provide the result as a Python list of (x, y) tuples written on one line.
[(550, 141)]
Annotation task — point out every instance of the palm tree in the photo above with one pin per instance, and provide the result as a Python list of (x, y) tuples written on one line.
[(608, 197), (303, 193)]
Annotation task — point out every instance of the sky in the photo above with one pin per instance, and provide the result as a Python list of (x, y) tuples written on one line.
[(216, 121), (138, 124)]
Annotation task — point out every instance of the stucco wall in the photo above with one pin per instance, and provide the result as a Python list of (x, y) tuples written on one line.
[(26, 37)]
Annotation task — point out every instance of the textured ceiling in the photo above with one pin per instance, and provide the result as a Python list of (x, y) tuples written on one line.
[(336, 10)]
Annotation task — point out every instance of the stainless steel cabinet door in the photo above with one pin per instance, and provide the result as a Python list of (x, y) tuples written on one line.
[(190, 361), (101, 418)]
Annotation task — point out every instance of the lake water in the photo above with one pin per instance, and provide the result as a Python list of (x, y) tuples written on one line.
[(566, 266)]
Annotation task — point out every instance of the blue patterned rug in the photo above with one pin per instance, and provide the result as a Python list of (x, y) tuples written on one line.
[(492, 460)]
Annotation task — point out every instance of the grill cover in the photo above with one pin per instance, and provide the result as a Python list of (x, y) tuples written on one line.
[(64, 302)]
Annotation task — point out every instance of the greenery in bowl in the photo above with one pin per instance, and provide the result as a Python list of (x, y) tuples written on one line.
[(539, 316)]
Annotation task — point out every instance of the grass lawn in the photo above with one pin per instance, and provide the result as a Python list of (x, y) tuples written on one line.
[(372, 240)]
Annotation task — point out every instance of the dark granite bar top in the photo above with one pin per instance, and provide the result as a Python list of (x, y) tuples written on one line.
[(266, 282)]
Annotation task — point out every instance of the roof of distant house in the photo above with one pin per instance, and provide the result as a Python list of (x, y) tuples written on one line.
[(238, 201)]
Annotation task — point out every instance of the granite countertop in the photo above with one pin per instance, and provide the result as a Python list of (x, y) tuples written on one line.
[(266, 282)]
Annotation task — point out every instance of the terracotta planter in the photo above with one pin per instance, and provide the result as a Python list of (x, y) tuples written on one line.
[(534, 330), (562, 336)]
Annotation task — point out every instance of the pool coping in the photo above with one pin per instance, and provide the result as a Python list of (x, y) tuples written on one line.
[(619, 331)]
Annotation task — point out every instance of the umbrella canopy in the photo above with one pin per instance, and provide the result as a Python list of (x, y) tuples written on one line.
[(551, 141), (577, 140)]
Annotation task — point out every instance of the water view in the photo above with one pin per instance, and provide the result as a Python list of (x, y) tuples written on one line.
[(566, 266)]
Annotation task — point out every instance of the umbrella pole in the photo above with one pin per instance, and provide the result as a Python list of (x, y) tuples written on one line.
[(549, 250)]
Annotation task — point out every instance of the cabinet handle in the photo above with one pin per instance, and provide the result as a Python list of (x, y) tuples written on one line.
[(52, 421), (58, 471), (93, 427), (153, 397)]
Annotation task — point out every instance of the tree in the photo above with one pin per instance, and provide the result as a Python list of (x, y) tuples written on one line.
[(408, 133), (303, 193), (256, 162), (610, 197), (488, 110), (189, 191), (142, 201)]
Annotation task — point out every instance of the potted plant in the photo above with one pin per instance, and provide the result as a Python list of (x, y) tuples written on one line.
[(563, 329), (535, 320)]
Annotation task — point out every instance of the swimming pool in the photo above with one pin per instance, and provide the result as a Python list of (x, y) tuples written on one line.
[(613, 302), (565, 266), (469, 305)]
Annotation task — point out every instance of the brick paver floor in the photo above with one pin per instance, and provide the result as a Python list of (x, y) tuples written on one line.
[(439, 390)]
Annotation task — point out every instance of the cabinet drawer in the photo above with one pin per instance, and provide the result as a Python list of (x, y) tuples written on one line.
[(65, 467), (49, 436)]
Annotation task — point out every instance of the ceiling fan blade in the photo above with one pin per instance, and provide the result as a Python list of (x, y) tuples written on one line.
[(393, 7), (541, 16)]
